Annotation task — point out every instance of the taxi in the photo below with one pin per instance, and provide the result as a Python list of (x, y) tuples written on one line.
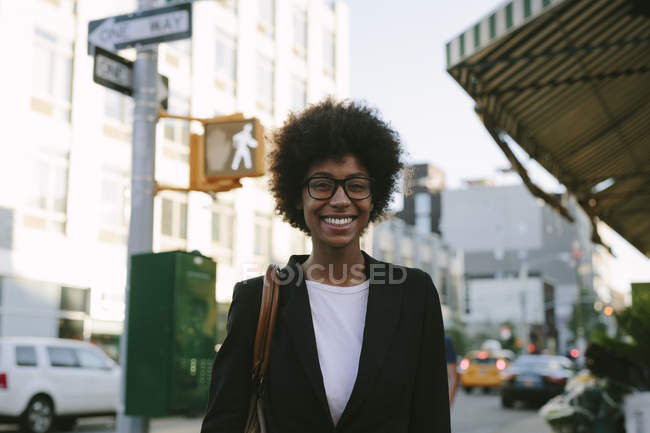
[(483, 369)]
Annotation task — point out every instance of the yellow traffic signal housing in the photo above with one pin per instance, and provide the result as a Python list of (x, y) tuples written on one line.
[(231, 147)]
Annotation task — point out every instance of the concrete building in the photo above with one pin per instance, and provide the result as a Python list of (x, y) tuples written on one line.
[(421, 206), (513, 240), (65, 152), (397, 242)]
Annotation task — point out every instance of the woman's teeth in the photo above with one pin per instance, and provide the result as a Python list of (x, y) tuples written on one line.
[(338, 221)]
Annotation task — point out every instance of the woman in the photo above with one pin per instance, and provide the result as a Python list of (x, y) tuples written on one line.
[(358, 344)]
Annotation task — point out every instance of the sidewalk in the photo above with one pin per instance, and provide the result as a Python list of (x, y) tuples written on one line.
[(533, 424), (176, 425)]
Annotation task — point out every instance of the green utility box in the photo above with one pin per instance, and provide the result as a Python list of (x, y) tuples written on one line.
[(172, 333)]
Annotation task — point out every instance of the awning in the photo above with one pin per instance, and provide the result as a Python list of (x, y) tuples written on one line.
[(569, 81)]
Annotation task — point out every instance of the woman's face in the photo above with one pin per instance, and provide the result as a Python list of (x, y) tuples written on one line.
[(338, 221)]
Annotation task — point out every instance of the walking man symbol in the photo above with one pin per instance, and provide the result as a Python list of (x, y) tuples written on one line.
[(242, 141)]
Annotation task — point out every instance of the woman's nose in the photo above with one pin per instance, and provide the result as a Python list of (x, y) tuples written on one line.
[(340, 197)]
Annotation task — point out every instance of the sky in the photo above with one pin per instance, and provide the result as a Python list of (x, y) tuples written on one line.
[(397, 64)]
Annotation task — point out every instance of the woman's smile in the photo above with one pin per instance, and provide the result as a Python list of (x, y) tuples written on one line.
[(337, 221)]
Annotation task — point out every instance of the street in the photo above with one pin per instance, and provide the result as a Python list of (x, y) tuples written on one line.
[(480, 413), (475, 413)]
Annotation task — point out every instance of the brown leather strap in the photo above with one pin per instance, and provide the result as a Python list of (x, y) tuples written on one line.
[(262, 345)]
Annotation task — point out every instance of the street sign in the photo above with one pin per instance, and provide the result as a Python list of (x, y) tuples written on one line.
[(115, 72), (151, 26)]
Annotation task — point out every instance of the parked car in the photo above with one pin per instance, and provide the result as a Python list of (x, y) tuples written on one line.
[(48, 381), (482, 369), (535, 379)]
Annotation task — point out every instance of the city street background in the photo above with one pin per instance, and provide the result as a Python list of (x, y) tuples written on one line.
[(474, 413)]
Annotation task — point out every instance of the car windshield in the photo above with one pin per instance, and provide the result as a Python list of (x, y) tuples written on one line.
[(483, 361)]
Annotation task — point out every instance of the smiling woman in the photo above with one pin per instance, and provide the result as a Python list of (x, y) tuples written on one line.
[(358, 344)]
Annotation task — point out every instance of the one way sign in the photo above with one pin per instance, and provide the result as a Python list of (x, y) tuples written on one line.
[(150, 26)]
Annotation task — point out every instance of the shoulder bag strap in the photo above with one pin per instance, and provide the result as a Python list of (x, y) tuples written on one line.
[(262, 346)]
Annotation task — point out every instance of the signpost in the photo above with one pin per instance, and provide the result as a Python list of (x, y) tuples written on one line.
[(143, 29), (149, 26), (233, 146), (115, 72)]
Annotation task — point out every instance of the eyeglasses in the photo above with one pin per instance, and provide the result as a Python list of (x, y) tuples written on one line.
[(323, 187)]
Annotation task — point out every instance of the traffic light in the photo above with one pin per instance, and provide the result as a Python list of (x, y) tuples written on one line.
[(232, 147)]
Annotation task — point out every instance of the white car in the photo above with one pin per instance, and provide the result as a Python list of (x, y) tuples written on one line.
[(48, 381)]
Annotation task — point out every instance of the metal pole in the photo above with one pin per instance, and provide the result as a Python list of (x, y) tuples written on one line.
[(523, 282), (145, 72)]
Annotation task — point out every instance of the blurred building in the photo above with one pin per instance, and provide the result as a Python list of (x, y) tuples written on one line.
[(65, 152), (522, 256), (397, 242), (421, 206)]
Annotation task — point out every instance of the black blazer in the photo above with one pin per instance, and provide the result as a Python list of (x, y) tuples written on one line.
[(401, 384)]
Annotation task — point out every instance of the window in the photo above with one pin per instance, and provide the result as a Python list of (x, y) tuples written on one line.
[(299, 21), (223, 228), (47, 192), (462, 45), (52, 75), (226, 63), (493, 26), (262, 236), (182, 220), (115, 201), (167, 217), (422, 209), (508, 15), (62, 357), (546, 3), (527, 8), (222, 231), (266, 17), (298, 94), (477, 35), (174, 218), (26, 356), (75, 299), (176, 132), (329, 53), (118, 108), (265, 84), (89, 359), (71, 328)]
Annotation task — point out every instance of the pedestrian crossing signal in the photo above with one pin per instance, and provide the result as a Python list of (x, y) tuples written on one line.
[(231, 147)]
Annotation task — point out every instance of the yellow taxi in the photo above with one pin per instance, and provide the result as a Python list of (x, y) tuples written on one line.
[(482, 369)]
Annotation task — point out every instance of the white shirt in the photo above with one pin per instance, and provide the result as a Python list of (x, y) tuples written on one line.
[(339, 315)]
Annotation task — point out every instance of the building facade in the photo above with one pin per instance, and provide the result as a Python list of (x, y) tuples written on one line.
[(510, 237), (421, 207), (65, 155), (397, 242)]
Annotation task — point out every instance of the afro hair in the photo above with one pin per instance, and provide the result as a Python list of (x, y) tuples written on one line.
[(331, 130)]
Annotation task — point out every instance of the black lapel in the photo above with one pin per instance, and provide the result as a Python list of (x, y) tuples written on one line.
[(297, 314), (382, 315)]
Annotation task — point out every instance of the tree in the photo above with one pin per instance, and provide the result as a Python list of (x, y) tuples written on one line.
[(630, 354)]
